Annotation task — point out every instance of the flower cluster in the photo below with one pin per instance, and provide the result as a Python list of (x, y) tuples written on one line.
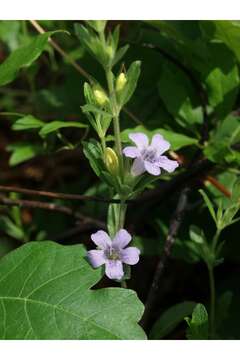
[(114, 253)]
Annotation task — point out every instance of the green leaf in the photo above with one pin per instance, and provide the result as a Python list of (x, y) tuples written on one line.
[(132, 76), (198, 325), (170, 319), (48, 287), (23, 57), (93, 45), (27, 122), (209, 205), (184, 105), (22, 152), (97, 25), (228, 32), (220, 146), (11, 229), (56, 125), (176, 140), (196, 234)]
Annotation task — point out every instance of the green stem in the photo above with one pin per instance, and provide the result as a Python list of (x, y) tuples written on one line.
[(115, 110), (122, 213), (212, 300), (215, 239)]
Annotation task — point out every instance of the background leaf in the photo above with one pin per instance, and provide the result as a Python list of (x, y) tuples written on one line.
[(23, 57), (169, 320)]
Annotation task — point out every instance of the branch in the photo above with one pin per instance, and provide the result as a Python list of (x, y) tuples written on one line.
[(175, 224), (55, 195), (51, 207)]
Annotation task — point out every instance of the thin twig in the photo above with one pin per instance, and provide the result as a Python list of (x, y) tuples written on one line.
[(50, 207), (173, 229), (55, 195)]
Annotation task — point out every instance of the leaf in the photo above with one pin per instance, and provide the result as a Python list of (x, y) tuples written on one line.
[(11, 229), (94, 109), (23, 57), (198, 325), (220, 146), (48, 287), (209, 204), (176, 140), (56, 125), (92, 152), (92, 44), (22, 152), (170, 319), (197, 234), (27, 122), (184, 105), (229, 33)]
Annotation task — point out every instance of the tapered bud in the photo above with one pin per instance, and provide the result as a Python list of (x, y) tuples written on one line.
[(111, 161), (110, 51), (121, 82), (100, 97)]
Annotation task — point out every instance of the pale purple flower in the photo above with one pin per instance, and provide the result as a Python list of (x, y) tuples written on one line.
[(113, 253), (148, 157)]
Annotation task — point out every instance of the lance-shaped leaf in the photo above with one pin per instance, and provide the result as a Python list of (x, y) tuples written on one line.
[(45, 294), (23, 57)]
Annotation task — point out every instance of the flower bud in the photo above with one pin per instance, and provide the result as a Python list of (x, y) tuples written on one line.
[(111, 161), (121, 82), (110, 51), (100, 97)]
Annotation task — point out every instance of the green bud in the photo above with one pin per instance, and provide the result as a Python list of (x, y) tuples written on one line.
[(111, 161), (100, 97), (121, 82), (110, 51)]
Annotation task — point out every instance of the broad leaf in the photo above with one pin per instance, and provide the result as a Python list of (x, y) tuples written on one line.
[(45, 294)]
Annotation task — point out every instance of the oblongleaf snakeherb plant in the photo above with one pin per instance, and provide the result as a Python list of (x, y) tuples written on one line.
[(132, 140)]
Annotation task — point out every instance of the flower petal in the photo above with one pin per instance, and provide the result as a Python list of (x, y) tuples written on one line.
[(152, 168), (160, 144), (96, 257), (101, 239), (114, 269), (130, 255), (140, 139), (121, 239), (167, 164), (138, 167), (131, 151)]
